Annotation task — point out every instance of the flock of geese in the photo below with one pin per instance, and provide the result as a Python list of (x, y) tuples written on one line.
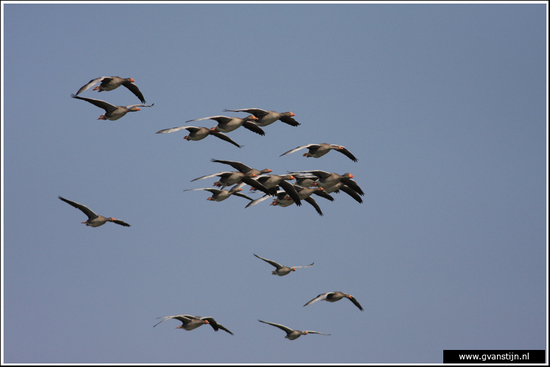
[(307, 183)]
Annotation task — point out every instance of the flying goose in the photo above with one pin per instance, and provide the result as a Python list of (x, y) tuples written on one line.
[(109, 83), (281, 270), (94, 220), (333, 297), (190, 322), (292, 334)]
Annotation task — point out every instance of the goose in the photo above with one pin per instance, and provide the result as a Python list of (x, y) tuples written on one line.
[(319, 150), (109, 83), (190, 322), (282, 270), (221, 195), (329, 179), (333, 297), (112, 112), (266, 117), (227, 124), (292, 334), (94, 220), (198, 133)]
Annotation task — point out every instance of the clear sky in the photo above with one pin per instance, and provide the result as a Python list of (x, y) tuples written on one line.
[(444, 105)]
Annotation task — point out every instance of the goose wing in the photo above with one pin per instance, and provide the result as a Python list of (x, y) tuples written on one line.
[(212, 190), (211, 175), (323, 194), (217, 118), (91, 83), (174, 129), (346, 152), (353, 185), (258, 112), (313, 203), (274, 263), (139, 105), (318, 173), (256, 184), (315, 332), (97, 102), (182, 318), (89, 212), (134, 89), (355, 302), (291, 191), (122, 223), (241, 167), (215, 325), (319, 297), (303, 266), (253, 127), (242, 195), (222, 136), (289, 120), (256, 201), (282, 327), (298, 148), (351, 193)]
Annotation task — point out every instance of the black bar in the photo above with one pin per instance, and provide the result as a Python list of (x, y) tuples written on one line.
[(494, 356)]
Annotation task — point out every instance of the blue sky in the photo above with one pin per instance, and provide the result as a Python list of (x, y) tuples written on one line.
[(444, 105)]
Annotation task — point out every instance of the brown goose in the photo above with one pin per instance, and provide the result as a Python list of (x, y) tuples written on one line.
[(292, 334), (198, 133), (328, 179), (112, 82), (266, 117), (319, 150), (190, 322), (281, 270), (94, 220), (221, 195), (333, 297), (227, 124), (112, 112), (228, 178)]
